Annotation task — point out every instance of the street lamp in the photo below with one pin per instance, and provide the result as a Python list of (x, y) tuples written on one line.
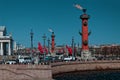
[(48, 46), (44, 39), (31, 36), (73, 46), (74, 49)]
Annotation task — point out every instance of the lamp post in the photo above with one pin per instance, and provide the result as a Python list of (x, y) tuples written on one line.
[(44, 39), (49, 46), (75, 49), (72, 46), (31, 36)]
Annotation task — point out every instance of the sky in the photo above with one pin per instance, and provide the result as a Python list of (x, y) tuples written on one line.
[(20, 16)]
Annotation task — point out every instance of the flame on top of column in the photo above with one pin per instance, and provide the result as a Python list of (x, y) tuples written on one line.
[(50, 30), (78, 6)]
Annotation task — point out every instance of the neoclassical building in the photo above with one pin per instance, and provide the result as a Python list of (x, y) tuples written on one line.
[(5, 42)]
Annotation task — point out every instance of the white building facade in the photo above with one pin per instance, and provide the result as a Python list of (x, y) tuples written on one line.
[(5, 42)]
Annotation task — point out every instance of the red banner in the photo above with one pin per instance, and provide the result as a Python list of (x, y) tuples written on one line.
[(40, 48), (69, 50)]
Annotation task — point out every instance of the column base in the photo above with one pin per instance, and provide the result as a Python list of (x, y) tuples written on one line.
[(86, 55)]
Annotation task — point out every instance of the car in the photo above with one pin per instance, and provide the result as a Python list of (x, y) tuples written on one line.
[(25, 60), (70, 58), (11, 62)]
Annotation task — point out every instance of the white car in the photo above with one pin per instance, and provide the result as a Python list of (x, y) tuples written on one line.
[(70, 58), (11, 62), (25, 60)]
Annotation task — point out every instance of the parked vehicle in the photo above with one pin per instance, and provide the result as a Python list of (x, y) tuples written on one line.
[(11, 62), (25, 59), (69, 58)]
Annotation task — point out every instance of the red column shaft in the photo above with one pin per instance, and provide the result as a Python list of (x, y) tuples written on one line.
[(84, 35)]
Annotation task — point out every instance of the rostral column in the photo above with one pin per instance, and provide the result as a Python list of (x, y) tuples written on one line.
[(85, 53), (53, 42)]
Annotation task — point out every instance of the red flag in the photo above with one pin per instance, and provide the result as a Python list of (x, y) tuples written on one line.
[(40, 48), (69, 50)]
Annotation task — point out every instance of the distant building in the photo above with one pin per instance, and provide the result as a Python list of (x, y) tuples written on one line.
[(5, 42)]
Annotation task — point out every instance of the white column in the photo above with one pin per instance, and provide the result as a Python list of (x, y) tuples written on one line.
[(9, 48), (1, 48)]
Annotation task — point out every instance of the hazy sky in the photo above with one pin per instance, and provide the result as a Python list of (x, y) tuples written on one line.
[(20, 16)]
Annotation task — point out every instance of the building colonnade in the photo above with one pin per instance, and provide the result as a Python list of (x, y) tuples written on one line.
[(5, 47)]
